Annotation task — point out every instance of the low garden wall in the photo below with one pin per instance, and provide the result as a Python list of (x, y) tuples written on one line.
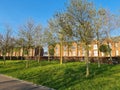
[(69, 59)]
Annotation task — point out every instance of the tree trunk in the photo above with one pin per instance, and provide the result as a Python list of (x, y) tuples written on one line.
[(68, 50), (35, 55), (61, 52), (4, 59), (87, 60), (98, 59), (110, 56), (48, 58), (22, 53), (109, 51), (27, 61), (77, 49), (10, 55), (98, 55), (39, 58)]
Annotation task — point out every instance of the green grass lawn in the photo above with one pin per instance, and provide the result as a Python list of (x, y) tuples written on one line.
[(69, 76)]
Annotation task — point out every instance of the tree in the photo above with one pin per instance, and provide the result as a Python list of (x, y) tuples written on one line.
[(26, 32), (49, 40), (5, 41), (21, 43), (51, 51), (61, 30), (69, 47), (38, 39), (98, 29), (11, 47), (81, 13), (110, 23), (105, 49), (17, 49)]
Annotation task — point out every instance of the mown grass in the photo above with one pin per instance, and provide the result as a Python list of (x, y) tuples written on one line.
[(69, 76)]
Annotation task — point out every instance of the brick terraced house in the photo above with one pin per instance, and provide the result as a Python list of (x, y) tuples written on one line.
[(32, 52), (78, 49)]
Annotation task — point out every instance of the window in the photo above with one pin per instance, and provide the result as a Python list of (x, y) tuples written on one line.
[(74, 53), (83, 49), (116, 44), (70, 54), (110, 45), (102, 54), (95, 53), (83, 53), (73, 47), (65, 53), (56, 48), (117, 53), (78, 47), (95, 46), (90, 53), (57, 53), (79, 53), (65, 48), (89, 46)]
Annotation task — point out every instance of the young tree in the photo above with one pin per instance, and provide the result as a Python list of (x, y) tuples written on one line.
[(98, 30), (26, 32), (21, 43), (5, 41), (38, 39), (110, 23), (17, 49), (62, 30), (82, 13), (51, 51), (105, 49), (11, 47), (49, 40)]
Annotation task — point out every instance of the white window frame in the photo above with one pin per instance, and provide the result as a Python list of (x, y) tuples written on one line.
[(90, 53), (102, 54), (70, 54), (95, 53), (117, 52), (116, 44), (57, 53), (65, 48), (65, 53), (73, 47), (79, 53), (83, 53), (73, 53), (110, 45), (95, 47)]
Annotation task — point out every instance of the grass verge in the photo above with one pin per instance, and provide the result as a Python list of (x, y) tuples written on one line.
[(69, 76)]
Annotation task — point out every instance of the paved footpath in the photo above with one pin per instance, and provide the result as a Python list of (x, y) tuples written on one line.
[(9, 83)]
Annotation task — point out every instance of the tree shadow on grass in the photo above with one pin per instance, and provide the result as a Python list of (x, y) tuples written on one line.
[(64, 76), (73, 76)]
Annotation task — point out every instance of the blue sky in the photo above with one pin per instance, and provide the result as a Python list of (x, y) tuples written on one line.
[(16, 12)]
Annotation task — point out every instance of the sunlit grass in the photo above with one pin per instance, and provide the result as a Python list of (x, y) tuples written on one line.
[(69, 76)]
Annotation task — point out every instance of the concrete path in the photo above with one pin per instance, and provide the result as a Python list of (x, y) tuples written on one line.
[(9, 83)]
